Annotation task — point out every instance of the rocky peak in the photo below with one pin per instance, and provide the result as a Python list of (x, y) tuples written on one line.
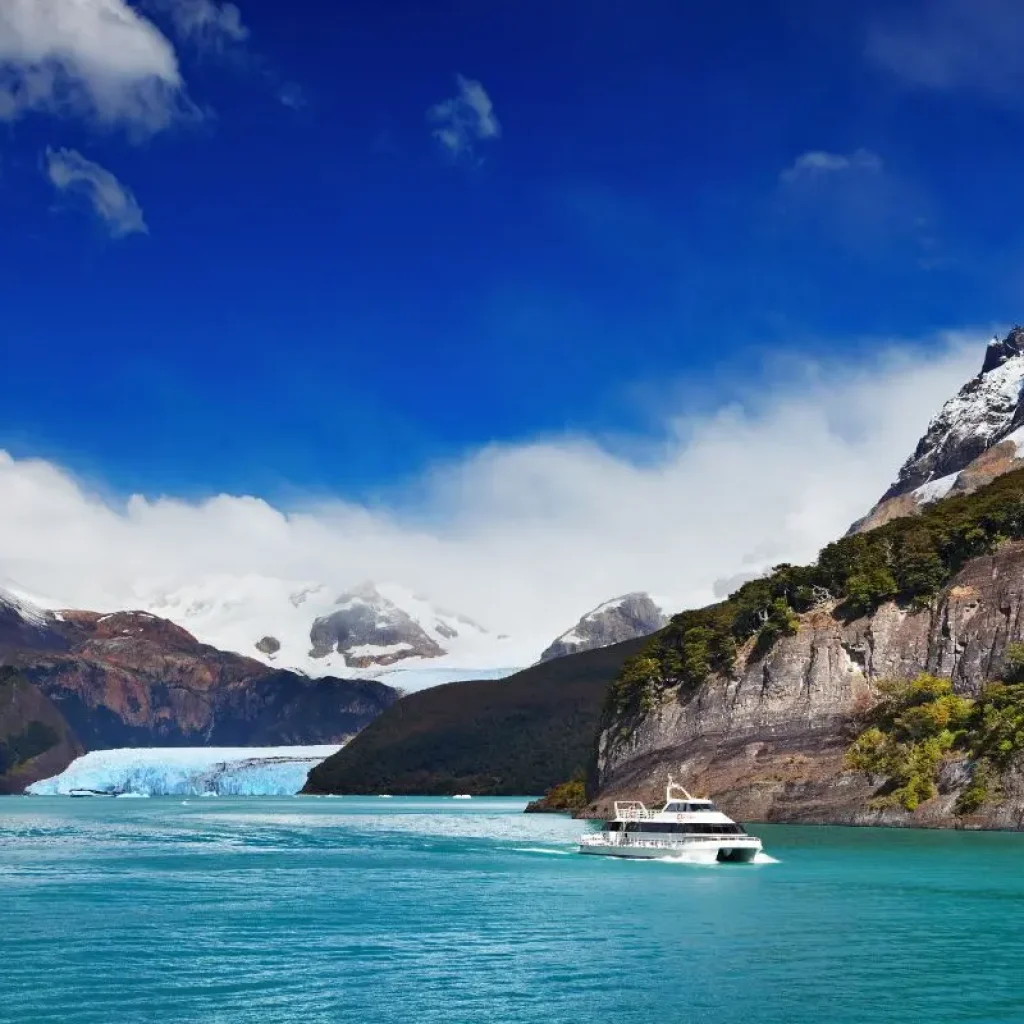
[(623, 618), (23, 624), (133, 626), (975, 437), (999, 351), (367, 628)]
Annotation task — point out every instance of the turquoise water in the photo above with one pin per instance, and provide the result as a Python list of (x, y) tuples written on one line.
[(303, 910)]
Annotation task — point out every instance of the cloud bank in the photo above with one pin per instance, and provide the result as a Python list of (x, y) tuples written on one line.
[(112, 202), (95, 57), (526, 537)]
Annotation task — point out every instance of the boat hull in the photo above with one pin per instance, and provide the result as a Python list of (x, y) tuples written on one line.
[(695, 852)]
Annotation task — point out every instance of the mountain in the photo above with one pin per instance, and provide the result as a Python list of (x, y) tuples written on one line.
[(758, 698), (24, 624), (515, 736), (374, 630), (976, 436), (624, 618), (86, 681)]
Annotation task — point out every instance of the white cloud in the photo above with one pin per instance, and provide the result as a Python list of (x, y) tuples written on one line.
[(526, 537), (465, 119), (95, 57), (817, 163), (208, 24), (114, 204), (952, 44)]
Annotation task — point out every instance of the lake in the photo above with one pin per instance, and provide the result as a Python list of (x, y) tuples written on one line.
[(428, 910)]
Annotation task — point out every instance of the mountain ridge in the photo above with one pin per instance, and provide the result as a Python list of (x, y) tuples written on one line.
[(127, 679)]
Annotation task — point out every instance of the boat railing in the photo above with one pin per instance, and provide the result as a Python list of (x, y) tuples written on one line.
[(632, 810)]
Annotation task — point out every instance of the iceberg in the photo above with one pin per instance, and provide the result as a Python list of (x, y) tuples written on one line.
[(189, 771)]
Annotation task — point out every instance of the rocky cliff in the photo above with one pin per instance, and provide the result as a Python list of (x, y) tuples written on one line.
[(624, 618), (132, 679), (769, 742), (758, 698), (976, 436)]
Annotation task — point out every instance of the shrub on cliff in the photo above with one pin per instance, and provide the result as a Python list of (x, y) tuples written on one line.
[(916, 724), (912, 727)]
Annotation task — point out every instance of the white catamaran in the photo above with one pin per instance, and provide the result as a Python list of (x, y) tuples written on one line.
[(685, 827)]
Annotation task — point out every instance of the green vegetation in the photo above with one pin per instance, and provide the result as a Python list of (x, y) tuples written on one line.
[(516, 736), (912, 728), (567, 796), (918, 724), (908, 560)]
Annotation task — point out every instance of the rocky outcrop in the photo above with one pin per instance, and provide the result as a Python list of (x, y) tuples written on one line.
[(35, 739), (769, 742), (133, 679), (368, 629), (268, 645), (976, 436), (624, 618)]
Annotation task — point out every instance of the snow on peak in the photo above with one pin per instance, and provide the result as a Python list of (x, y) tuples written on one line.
[(24, 608), (935, 490), (272, 620), (622, 618), (980, 415)]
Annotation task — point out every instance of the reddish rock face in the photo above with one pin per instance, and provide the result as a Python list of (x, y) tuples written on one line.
[(133, 679)]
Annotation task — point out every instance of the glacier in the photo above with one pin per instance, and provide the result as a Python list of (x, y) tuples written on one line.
[(189, 771)]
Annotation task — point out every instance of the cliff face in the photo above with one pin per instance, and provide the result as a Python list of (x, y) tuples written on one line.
[(769, 742), (132, 679), (35, 739)]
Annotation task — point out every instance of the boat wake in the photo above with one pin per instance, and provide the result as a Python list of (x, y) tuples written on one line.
[(764, 858)]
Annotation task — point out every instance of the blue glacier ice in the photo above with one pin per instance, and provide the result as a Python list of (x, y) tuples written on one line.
[(189, 771)]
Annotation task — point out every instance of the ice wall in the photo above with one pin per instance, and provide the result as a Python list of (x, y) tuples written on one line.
[(189, 771)]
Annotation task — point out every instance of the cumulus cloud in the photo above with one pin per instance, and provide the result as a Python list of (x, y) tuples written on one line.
[(525, 537), (207, 24), (464, 120), (94, 57), (817, 163), (951, 44), (111, 201)]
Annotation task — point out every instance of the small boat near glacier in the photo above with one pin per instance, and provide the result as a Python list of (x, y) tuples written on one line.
[(463, 796), (686, 827), (82, 792)]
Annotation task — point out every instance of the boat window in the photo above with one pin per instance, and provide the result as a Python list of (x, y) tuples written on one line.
[(613, 826)]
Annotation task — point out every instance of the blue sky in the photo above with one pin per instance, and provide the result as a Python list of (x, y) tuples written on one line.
[(355, 263)]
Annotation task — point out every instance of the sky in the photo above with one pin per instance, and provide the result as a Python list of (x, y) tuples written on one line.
[(498, 300)]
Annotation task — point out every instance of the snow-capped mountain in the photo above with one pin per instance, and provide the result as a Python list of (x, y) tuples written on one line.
[(24, 624), (368, 629), (975, 437), (623, 618), (371, 631)]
